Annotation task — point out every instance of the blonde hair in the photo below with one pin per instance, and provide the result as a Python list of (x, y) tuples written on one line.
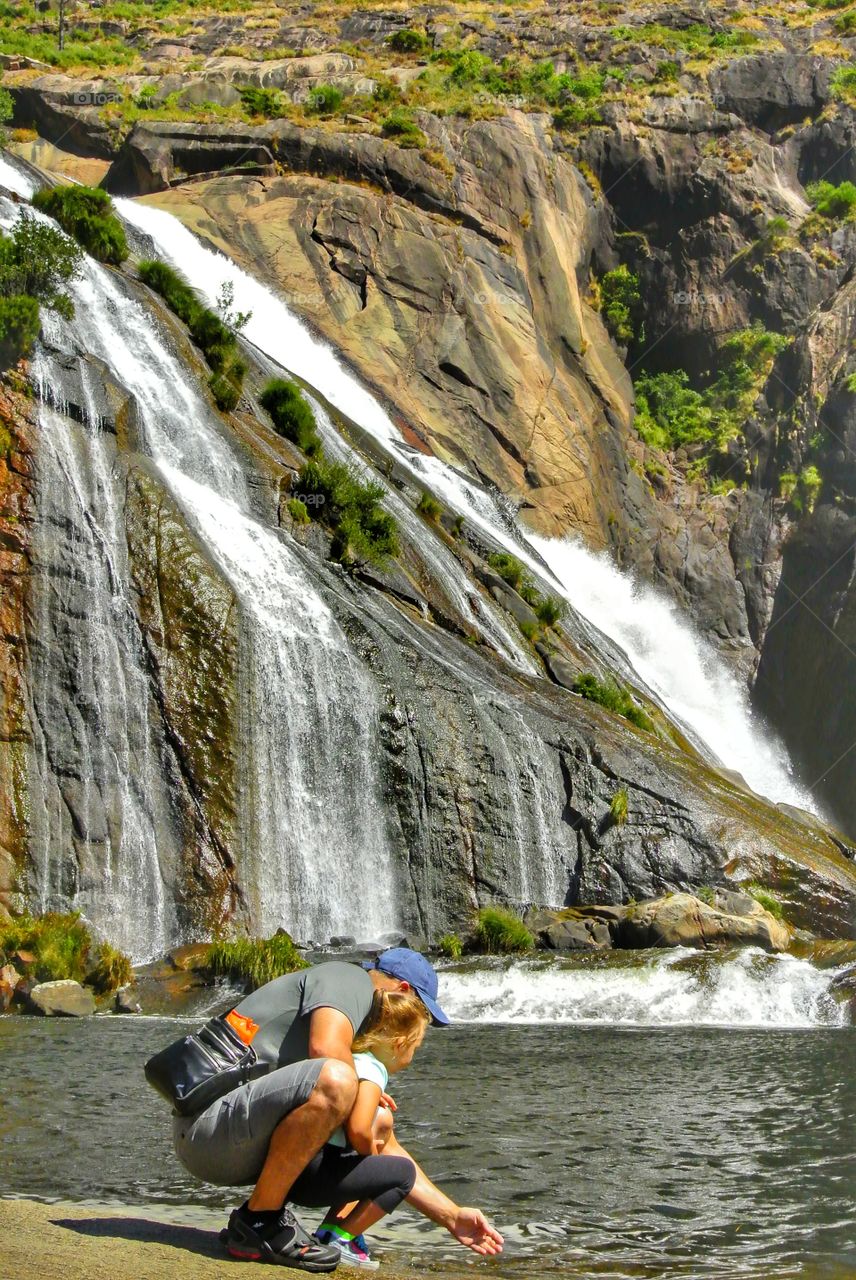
[(395, 1015)]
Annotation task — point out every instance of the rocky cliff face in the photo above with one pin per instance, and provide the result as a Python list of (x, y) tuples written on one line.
[(461, 273), (17, 441)]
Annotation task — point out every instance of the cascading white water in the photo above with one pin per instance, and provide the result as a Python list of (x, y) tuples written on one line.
[(115, 811), (693, 682), (315, 858), (747, 988)]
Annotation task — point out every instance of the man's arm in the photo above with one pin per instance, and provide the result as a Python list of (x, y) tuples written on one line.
[(469, 1226), (330, 1035)]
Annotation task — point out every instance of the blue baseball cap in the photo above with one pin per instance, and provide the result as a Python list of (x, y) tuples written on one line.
[(411, 966)]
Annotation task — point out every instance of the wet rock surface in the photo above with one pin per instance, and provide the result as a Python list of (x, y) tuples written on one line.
[(64, 998)]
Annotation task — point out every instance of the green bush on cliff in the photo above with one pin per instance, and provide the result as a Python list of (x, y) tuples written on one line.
[(7, 110), (86, 213), (291, 415), (401, 126), (261, 102), (326, 100), (406, 40), (671, 413), (620, 301), (614, 697), (500, 932), (508, 567), (255, 961), (766, 898), (215, 339), (19, 328), (429, 507), (843, 85), (36, 262), (350, 507), (61, 947), (550, 610), (111, 970), (451, 945), (830, 201)]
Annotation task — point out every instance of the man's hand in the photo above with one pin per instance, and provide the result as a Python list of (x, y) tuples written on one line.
[(472, 1228), (386, 1100)]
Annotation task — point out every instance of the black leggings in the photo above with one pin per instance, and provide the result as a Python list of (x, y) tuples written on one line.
[(338, 1175)]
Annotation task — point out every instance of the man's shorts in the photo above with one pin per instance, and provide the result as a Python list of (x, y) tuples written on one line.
[(228, 1142)]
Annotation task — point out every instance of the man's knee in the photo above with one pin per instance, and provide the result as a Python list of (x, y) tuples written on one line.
[(336, 1088)]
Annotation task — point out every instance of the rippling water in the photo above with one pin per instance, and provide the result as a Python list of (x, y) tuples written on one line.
[(614, 1151)]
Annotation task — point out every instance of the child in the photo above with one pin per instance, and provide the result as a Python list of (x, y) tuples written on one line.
[(360, 1183)]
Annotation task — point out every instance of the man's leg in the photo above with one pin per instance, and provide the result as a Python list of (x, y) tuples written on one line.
[(303, 1132)]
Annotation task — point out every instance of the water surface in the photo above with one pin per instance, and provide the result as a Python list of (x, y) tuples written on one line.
[(614, 1151)]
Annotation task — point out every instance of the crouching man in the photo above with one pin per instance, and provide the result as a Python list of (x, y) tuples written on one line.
[(266, 1131)]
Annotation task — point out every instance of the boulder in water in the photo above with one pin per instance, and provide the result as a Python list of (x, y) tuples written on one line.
[(680, 920), (65, 998), (126, 1001)]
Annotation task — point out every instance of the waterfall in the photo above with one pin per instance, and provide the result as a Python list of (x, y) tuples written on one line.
[(315, 856), (686, 675), (745, 988)]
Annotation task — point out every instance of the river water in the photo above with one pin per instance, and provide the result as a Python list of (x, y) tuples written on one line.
[(600, 1148)]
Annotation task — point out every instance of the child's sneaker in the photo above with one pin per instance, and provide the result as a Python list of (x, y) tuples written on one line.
[(352, 1253)]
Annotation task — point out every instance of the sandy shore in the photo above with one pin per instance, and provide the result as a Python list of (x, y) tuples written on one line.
[(70, 1242)]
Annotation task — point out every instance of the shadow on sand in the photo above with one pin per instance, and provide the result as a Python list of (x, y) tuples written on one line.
[(205, 1244)]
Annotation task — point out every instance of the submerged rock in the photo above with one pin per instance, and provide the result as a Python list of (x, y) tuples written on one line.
[(64, 998)]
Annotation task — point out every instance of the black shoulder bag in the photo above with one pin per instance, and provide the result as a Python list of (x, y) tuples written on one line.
[(193, 1072)]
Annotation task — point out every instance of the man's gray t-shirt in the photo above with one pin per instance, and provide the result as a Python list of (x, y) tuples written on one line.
[(282, 1008)]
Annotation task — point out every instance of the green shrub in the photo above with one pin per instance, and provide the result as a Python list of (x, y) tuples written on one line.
[(618, 806), (500, 932), (845, 24), (349, 506), (671, 413), (429, 507), (19, 328), (831, 201), (458, 526), (530, 630), (7, 110), (225, 385), (614, 697), (291, 415), (214, 338), (261, 102), (61, 946), (573, 114), (255, 961), (400, 125), (406, 40), (843, 85), (450, 945), (297, 510), (325, 100), (620, 301), (550, 610), (38, 260), (705, 894), (766, 897), (87, 214), (112, 969), (508, 567)]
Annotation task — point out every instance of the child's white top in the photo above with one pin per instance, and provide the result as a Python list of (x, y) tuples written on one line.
[(367, 1067)]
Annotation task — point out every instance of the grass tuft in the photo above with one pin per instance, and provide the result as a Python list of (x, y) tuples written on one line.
[(255, 961), (500, 932)]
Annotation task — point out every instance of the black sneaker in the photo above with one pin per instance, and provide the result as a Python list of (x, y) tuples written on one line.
[(281, 1240)]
